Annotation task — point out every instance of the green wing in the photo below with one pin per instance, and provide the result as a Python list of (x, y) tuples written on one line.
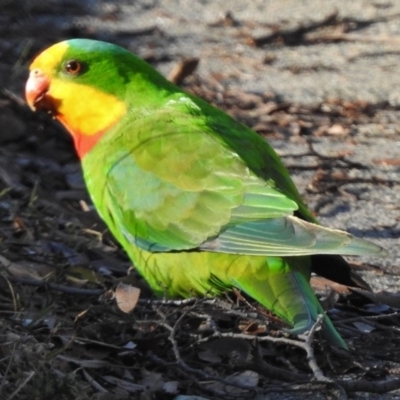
[(179, 180)]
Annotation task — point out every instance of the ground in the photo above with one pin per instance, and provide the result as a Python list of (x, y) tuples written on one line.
[(319, 80)]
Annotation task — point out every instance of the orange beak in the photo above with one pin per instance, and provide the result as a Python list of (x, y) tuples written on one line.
[(36, 88)]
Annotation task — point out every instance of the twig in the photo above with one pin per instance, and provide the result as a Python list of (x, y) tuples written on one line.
[(93, 382), (308, 348), (288, 364), (174, 329), (368, 386), (19, 388), (12, 291), (167, 302), (201, 373), (262, 367), (369, 317), (5, 374), (295, 35), (182, 70), (351, 37), (54, 286), (335, 157)]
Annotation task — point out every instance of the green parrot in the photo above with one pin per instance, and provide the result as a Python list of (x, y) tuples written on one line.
[(201, 203)]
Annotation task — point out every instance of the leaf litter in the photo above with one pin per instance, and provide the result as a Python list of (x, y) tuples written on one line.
[(78, 322)]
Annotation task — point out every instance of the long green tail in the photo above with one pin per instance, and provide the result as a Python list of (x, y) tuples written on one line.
[(289, 295)]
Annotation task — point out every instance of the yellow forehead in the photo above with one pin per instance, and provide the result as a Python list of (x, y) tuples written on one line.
[(50, 58), (83, 109)]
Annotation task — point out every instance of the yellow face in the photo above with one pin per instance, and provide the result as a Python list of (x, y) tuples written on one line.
[(82, 109)]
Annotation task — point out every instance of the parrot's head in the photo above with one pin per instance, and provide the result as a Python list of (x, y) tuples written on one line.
[(85, 85)]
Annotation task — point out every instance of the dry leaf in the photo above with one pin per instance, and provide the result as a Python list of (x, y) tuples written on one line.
[(323, 285), (363, 327), (252, 328), (210, 356), (236, 350), (183, 69), (337, 129), (127, 297), (152, 380), (245, 378), (387, 161), (171, 387)]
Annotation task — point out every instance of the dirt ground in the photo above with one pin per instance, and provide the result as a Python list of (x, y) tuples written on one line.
[(319, 80)]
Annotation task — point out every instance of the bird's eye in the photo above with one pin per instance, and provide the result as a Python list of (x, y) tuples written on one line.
[(73, 67)]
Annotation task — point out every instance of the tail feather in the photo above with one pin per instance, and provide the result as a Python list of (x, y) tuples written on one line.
[(337, 269), (302, 325), (289, 295)]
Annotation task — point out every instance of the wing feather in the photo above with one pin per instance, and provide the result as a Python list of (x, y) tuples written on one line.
[(179, 181)]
